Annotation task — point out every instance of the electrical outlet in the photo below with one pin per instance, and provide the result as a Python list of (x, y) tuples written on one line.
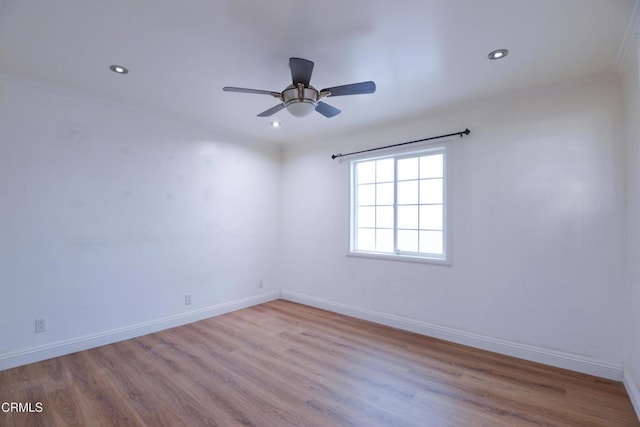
[(187, 299), (260, 284), (41, 325)]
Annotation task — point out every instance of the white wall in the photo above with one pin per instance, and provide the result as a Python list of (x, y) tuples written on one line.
[(109, 216), (538, 220), (632, 322)]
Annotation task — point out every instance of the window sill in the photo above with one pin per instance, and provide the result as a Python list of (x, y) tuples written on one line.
[(403, 258)]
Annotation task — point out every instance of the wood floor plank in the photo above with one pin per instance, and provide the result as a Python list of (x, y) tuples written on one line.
[(285, 364)]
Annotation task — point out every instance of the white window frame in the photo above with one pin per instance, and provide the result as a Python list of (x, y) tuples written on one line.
[(445, 258)]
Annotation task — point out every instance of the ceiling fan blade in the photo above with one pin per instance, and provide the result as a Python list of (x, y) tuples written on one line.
[(326, 109), (271, 111), (301, 70), (352, 89), (245, 90)]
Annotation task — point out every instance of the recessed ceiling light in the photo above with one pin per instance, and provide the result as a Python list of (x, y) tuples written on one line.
[(275, 124), (119, 69), (498, 54)]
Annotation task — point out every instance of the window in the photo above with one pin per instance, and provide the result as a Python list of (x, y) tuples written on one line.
[(398, 206)]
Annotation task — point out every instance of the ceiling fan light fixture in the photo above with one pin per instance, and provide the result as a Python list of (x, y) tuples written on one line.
[(300, 101), (301, 107), (498, 54)]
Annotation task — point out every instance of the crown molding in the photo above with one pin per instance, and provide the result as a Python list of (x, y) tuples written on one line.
[(84, 95), (629, 41), (46, 86)]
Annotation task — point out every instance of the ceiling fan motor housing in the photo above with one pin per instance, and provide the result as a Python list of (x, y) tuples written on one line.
[(299, 100)]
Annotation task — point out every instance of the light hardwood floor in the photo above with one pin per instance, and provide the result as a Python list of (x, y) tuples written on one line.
[(285, 364)]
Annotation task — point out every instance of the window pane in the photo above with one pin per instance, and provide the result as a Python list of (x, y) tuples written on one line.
[(408, 217), (367, 194), (366, 239), (408, 192), (431, 217), (408, 168), (366, 217), (384, 194), (384, 240), (408, 240), (384, 170), (431, 242), (431, 166), (384, 217), (430, 191), (398, 206), (366, 172)]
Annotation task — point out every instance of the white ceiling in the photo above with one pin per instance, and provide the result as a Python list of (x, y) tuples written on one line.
[(422, 54)]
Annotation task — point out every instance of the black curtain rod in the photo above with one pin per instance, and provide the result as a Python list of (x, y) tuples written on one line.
[(462, 133)]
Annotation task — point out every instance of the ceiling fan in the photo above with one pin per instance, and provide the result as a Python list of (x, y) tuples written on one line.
[(300, 98)]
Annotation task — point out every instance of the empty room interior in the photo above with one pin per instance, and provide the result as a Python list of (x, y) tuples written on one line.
[(358, 213)]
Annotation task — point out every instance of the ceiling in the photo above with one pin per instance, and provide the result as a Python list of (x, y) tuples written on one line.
[(423, 54)]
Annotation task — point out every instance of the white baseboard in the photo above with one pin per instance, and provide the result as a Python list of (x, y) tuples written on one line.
[(523, 351), (632, 390), (510, 348), (36, 354)]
